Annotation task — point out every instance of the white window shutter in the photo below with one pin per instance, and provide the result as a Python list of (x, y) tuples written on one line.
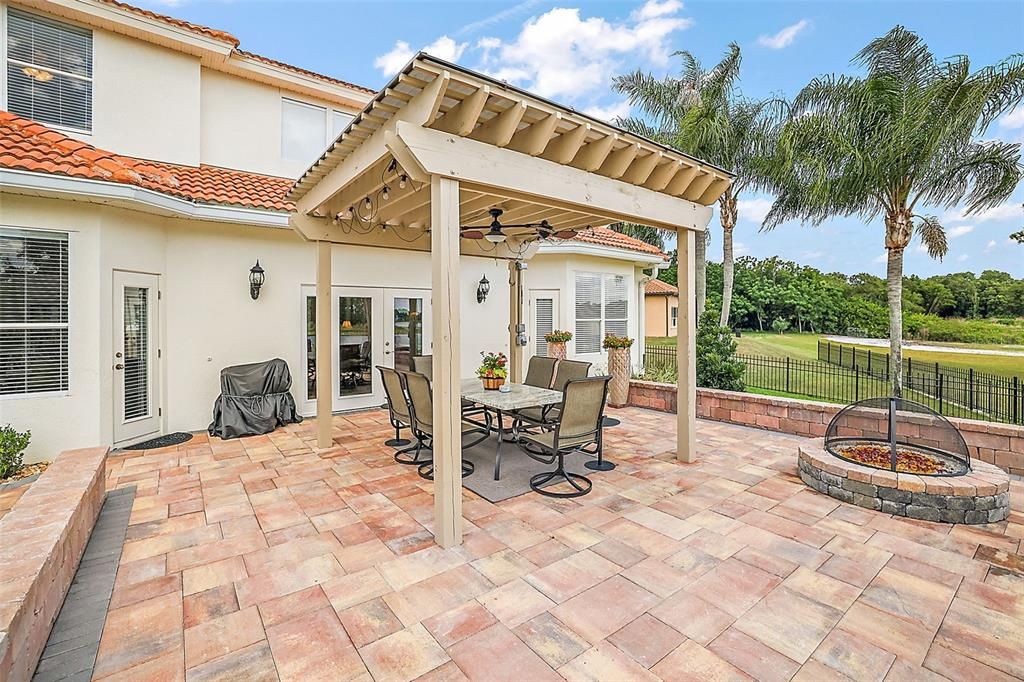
[(588, 313), (544, 310)]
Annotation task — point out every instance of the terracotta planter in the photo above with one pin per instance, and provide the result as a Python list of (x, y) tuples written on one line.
[(619, 369), (556, 349), (492, 383)]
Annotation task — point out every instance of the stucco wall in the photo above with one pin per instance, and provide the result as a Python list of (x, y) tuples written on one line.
[(659, 318), (207, 319)]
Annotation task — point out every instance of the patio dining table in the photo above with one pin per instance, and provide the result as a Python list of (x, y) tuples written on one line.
[(518, 397)]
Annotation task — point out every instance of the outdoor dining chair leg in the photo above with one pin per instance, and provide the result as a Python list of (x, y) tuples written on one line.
[(600, 464), (415, 459), (397, 441), (581, 483)]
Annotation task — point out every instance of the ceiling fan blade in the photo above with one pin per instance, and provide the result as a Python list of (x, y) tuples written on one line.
[(566, 234), (472, 234)]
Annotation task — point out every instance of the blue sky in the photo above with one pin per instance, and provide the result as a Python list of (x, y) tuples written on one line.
[(569, 50)]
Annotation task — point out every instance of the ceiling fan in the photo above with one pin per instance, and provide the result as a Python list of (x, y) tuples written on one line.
[(496, 233)]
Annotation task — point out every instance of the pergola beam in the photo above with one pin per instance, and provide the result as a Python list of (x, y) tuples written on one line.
[(534, 139), (462, 118), (500, 129)]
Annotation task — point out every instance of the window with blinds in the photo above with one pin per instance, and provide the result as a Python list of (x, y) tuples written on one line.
[(49, 70), (33, 312), (544, 323), (602, 308)]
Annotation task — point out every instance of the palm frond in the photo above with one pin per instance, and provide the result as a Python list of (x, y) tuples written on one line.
[(933, 236)]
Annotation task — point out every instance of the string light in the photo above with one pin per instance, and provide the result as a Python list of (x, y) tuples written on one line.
[(401, 181)]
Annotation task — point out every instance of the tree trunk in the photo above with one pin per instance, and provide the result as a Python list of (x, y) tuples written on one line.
[(727, 215), (898, 230), (700, 258)]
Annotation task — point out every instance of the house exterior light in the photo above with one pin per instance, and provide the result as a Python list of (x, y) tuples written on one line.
[(482, 289), (256, 278)]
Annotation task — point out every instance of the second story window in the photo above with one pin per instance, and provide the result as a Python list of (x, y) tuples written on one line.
[(306, 129), (49, 71)]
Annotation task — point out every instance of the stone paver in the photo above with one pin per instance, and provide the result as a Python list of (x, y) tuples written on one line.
[(264, 558)]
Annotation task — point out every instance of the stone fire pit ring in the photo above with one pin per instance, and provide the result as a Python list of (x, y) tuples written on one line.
[(981, 496)]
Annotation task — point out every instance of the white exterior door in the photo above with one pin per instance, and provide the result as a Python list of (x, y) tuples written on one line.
[(136, 357), (543, 319), (357, 346), (407, 328)]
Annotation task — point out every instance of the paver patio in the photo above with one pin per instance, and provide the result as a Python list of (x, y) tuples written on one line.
[(262, 559)]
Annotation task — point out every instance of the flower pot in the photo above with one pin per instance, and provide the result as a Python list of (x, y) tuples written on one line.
[(556, 349), (492, 383), (618, 368)]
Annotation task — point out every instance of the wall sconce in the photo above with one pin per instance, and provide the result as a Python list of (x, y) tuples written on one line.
[(256, 279), (483, 289)]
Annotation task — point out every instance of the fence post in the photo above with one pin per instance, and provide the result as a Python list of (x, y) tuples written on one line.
[(940, 391), (856, 383), (869, 361), (970, 388), (1016, 399), (787, 374)]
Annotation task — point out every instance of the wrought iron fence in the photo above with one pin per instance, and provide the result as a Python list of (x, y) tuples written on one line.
[(855, 374)]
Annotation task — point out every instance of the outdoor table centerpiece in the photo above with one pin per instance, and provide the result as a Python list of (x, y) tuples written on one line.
[(493, 370), (618, 367), (556, 339)]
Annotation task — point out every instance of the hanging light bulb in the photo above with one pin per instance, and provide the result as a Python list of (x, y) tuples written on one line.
[(368, 205), (385, 194), (401, 181)]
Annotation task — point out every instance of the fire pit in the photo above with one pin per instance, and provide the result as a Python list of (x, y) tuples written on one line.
[(903, 458)]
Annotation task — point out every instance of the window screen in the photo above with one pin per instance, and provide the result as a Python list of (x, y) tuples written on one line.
[(49, 70), (602, 308), (33, 312), (303, 130)]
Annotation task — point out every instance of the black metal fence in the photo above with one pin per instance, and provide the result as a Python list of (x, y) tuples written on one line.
[(962, 391), (846, 374)]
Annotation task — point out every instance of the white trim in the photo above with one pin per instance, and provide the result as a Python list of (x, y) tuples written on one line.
[(572, 247), (146, 200)]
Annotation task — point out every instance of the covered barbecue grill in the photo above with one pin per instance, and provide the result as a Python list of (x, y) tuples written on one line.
[(254, 399)]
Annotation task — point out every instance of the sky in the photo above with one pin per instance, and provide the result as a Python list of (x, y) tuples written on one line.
[(569, 51)]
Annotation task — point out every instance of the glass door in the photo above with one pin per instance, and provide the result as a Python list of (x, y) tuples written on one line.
[(357, 331), (407, 330), (136, 409)]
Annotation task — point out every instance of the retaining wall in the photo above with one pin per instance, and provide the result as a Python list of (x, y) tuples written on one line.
[(998, 444)]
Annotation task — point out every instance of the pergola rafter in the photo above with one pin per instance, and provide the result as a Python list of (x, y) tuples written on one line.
[(464, 143)]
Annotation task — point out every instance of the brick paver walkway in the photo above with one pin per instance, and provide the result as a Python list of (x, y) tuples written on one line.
[(261, 559)]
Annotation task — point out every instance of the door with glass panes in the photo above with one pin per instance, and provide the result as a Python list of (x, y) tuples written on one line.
[(136, 354), (369, 327)]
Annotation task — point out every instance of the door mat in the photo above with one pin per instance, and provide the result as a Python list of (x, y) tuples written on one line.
[(160, 441)]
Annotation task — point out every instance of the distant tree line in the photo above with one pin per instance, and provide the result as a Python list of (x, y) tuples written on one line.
[(810, 300)]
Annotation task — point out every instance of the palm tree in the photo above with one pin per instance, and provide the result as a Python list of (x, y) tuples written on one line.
[(702, 113), (902, 137)]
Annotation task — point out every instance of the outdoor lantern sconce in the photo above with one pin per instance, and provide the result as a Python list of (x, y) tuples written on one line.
[(483, 289), (256, 278)]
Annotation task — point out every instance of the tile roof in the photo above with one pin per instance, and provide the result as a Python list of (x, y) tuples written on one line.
[(658, 288), (603, 236), (30, 146), (214, 33), (226, 37)]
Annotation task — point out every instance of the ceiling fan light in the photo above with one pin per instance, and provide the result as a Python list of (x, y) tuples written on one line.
[(495, 236)]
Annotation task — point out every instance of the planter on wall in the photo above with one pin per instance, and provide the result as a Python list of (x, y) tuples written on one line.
[(556, 349), (619, 369)]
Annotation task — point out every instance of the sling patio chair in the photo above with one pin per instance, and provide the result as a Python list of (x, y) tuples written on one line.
[(398, 412), (578, 429), (533, 417), (421, 410)]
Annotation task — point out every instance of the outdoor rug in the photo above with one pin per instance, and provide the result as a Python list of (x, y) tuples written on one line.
[(161, 441), (516, 470)]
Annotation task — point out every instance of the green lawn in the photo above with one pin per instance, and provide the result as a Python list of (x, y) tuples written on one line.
[(805, 347)]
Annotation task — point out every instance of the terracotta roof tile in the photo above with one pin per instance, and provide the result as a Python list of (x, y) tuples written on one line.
[(604, 236), (658, 288), (32, 147), (214, 33)]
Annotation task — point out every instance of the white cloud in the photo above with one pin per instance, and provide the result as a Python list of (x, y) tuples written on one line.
[(1014, 118), (959, 231), (1010, 211), (811, 255), (785, 37), (444, 47), (563, 55), (609, 113), (881, 258), (753, 210), (991, 245), (497, 17), (740, 249), (962, 257)]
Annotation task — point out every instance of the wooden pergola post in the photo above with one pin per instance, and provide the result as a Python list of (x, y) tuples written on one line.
[(686, 349), (324, 370), (516, 353), (447, 436)]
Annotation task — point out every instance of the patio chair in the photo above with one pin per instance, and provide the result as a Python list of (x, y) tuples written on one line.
[(421, 410), (565, 371), (398, 412), (424, 364), (577, 430), (540, 372)]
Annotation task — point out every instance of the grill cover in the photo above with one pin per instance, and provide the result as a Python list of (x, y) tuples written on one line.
[(254, 399)]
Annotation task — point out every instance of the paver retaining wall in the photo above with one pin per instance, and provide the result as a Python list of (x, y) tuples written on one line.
[(999, 444), (41, 543)]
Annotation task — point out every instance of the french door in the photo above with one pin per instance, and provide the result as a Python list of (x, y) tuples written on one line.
[(136, 354), (369, 327)]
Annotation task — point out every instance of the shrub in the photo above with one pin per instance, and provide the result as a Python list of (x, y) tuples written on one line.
[(780, 324), (12, 445), (717, 366)]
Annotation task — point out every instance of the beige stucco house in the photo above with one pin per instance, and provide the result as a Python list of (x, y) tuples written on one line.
[(661, 308), (130, 218)]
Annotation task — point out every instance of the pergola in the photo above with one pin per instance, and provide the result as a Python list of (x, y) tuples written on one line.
[(436, 148)]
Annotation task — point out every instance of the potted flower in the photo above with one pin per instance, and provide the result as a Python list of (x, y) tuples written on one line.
[(618, 366), (557, 339), (493, 370)]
